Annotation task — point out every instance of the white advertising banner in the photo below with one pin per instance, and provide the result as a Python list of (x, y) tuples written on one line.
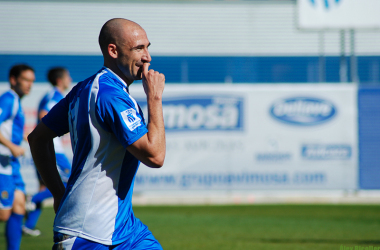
[(338, 14), (231, 137), (243, 137)]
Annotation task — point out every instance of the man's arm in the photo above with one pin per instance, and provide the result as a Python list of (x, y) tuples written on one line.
[(150, 149), (42, 148), (41, 114), (15, 150)]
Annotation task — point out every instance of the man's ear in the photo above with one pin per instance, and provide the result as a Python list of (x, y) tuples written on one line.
[(112, 50), (12, 81)]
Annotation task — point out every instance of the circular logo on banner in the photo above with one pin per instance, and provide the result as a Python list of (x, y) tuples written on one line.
[(326, 2), (303, 111), (4, 195)]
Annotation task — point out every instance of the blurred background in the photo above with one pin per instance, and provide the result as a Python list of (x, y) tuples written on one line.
[(266, 100)]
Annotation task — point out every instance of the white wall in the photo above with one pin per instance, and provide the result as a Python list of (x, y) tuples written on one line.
[(174, 28)]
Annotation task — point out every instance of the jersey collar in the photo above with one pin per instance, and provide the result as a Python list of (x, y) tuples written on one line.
[(14, 93), (118, 77)]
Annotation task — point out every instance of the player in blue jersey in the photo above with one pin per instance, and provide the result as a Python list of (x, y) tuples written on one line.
[(109, 137), (60, 79), (12, 187)]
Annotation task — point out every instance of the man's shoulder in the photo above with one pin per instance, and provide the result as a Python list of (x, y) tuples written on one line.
[(80, 86), (7, 98), (46, 97), (57, 95), (111, 96), (107, 77), (111, 88)]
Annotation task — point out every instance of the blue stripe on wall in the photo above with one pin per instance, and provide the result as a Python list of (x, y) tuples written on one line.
[(190, 69), (369, 138)]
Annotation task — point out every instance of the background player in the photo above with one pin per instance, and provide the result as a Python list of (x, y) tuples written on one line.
[(109, 138), (60, 78), (12, 187)]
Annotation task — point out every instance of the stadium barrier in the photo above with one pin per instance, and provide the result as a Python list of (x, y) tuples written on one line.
[(235, 137)]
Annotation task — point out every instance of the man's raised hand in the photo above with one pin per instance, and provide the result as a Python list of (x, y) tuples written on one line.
[(153, 82)]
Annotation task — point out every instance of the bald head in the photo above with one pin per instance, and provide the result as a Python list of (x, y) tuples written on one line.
[(124, 45), (115, 31)]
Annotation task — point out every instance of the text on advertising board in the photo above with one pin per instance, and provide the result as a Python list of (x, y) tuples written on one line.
[(326, 152), (303, 111), (189, 113)]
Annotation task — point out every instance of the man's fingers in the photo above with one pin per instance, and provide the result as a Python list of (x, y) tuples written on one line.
[(145, 68)]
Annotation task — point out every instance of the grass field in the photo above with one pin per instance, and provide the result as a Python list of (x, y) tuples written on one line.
[(246, 227)]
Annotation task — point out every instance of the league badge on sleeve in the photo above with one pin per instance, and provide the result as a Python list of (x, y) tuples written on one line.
[(130, 118)]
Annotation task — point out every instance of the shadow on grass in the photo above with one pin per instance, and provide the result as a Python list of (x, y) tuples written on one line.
[(327, 241)]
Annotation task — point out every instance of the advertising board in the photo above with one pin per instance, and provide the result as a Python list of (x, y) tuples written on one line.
[(231, 137), (243, 137), (338, 14)]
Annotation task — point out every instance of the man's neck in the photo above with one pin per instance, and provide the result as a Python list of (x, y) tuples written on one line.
[(60, 89), (118, 72), (17, 92)]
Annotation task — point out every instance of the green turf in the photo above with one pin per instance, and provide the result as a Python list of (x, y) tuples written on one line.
[(44, 241), (247, 227)]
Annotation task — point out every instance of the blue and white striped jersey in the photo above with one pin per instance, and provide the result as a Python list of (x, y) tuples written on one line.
[(49, 100), (47, 103), (11, 124), (103, 119)]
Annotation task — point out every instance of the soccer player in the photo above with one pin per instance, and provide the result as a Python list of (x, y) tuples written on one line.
[(60, 78), (109, 137), (12, 187)]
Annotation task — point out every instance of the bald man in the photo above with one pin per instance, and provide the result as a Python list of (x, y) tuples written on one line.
[(109, 137)]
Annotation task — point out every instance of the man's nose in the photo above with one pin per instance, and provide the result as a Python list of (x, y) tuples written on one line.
[(146, 57)]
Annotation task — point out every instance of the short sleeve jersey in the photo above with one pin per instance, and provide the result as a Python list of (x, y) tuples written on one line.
[(46, 104), (103, 119), (48, 101), (11, 120)]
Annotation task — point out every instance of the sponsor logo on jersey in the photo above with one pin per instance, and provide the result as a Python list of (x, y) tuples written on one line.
[(4, 195), (130, 118), (303, 111), (207, 113), (326, 152)]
